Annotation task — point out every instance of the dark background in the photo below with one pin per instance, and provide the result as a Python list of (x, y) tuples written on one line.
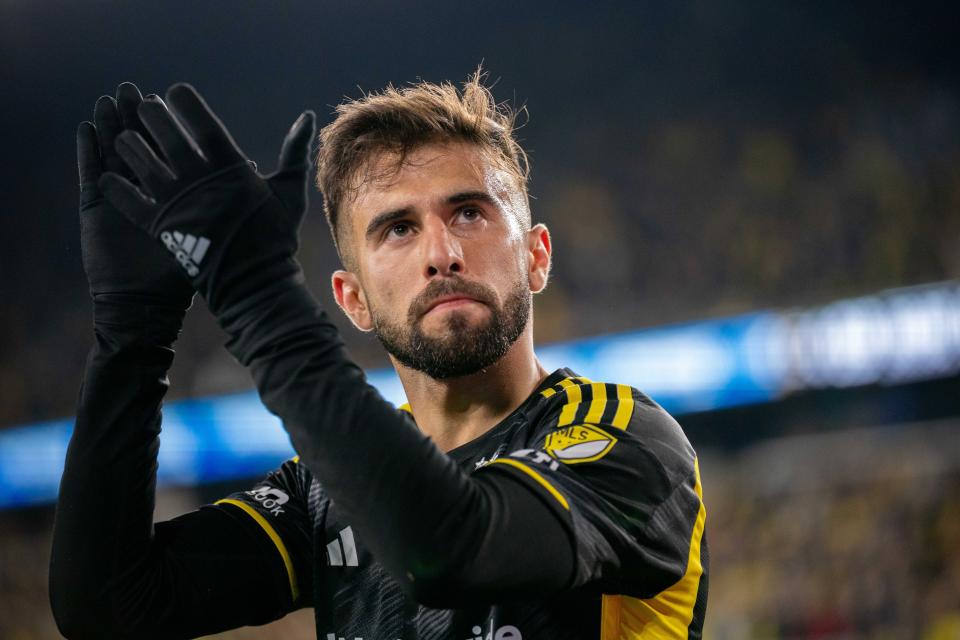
[(728, 155), (693, 160)]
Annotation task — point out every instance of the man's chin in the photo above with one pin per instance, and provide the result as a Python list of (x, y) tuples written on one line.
[(453, 324), (458, 341)]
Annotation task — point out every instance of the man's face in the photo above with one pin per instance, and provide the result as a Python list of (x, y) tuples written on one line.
[(444, 268)]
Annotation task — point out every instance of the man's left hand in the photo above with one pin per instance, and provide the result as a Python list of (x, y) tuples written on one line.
[(233, 231)]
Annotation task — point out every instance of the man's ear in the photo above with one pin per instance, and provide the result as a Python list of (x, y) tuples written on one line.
[(539, 247), (350, 297)]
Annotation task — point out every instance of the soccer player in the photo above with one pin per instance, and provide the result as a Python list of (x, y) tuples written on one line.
[(502, 502)]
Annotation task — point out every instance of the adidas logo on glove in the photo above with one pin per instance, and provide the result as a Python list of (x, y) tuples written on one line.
[(187, 249)]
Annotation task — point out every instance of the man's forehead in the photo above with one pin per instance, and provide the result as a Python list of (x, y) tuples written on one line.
[(429, 172)]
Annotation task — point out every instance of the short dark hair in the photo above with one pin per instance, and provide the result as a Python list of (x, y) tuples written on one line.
[(401, 120)]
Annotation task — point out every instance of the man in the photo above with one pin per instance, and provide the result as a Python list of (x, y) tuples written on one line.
[(502, 502)]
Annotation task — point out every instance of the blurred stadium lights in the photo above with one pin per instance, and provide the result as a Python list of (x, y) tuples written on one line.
[(899, 336), (894, 337)]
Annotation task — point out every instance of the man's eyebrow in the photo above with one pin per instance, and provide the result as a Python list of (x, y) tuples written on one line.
[(384, 218), (464, 196)]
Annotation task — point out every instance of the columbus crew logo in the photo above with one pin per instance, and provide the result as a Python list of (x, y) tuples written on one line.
[(579, 443)]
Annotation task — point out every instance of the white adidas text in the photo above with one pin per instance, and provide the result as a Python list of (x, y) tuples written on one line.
[(188, 249)]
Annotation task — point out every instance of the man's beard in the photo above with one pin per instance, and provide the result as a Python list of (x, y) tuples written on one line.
[(462, 349)]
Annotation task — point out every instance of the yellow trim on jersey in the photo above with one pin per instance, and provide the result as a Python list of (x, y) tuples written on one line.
[(624, 407), (598, 404), (668, 614), (295, 459), (536, 476), (609, 617), (563, 384), (406, 407), (569, 411), (278, 543)]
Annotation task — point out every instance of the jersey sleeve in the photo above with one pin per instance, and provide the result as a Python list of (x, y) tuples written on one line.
[(623, 477), (114, 572), (274, 511)]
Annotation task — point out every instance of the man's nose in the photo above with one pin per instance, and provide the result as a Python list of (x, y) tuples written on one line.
[(444, 255)]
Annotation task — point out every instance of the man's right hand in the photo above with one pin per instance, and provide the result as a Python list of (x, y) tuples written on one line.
[(123, 265)]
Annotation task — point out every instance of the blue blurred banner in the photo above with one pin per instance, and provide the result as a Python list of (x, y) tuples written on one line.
[(894, 337)]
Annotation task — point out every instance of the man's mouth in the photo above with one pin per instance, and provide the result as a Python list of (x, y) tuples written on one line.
[(449, 302)]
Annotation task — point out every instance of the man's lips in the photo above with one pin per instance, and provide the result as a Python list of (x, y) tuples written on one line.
[(450, 301)]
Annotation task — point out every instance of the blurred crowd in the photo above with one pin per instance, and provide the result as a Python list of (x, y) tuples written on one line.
[(707, 158), (845, 535), (691, 215)]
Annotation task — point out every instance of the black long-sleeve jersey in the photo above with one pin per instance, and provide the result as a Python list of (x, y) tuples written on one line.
[(580, 515), (614, 467)]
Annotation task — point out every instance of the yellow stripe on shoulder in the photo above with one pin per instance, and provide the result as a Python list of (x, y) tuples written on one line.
[(274, 537), (625, 406), (569, 411), (601, 394), (598, 404), (566, 383), (536, 476)]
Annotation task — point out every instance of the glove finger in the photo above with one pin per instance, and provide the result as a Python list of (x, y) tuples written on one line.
[(208, 132), (107, 120), (88, 162), (128, 100), (295, 150), (184, 158), (129, 200), (150, 170)]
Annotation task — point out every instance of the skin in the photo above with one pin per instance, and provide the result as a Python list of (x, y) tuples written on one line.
[(422, 233)]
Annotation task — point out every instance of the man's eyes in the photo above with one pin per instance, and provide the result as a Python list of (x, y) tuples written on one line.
[(469, 214), (398, 229), (463, 215)]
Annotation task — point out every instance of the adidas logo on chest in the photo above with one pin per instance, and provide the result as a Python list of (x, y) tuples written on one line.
[(342, 550)]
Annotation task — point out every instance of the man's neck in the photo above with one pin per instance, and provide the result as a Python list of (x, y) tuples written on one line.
[(457, 410)]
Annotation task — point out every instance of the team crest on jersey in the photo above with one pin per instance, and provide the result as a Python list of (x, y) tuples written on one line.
[(579, 443)]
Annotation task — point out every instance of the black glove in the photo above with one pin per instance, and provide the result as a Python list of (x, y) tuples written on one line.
[(122, 265), (233, 231)]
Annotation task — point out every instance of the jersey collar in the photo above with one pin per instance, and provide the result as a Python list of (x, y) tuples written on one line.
[(468, 449)]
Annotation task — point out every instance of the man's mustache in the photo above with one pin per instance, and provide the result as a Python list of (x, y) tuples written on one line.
[(447, 287)]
